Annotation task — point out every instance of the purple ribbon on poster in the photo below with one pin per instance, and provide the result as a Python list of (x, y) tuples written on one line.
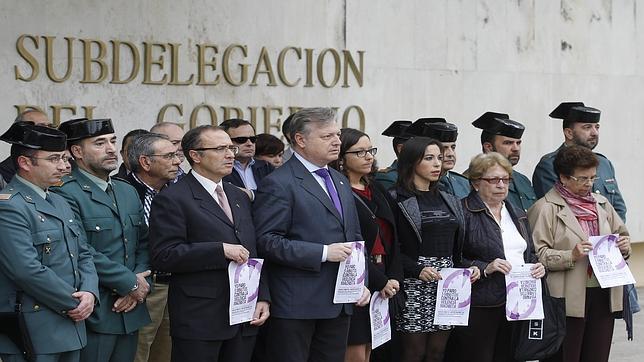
[(610, 240), (514, 313), (380, 300), (465, 274), (254, 266)]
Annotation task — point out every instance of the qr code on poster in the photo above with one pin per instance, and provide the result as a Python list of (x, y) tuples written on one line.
[(350, 275), (241, 294), (376, 319)]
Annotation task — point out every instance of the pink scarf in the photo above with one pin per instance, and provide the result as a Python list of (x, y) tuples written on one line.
[(584, 208)]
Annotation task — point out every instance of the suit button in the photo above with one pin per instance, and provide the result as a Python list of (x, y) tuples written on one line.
[(63, 312), (597, 191), (36, 307), (125, 239), (71, 220), (98, 227), (71, 254), (125, 256), (48, 238)]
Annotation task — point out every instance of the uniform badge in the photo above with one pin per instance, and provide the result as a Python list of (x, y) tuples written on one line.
[(47, 249)]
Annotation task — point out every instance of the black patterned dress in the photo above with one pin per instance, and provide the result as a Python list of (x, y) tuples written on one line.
[(439, 227)]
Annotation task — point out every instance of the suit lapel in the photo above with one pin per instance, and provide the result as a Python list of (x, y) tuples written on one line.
[(207, 201), (345, 194), (235, 207)]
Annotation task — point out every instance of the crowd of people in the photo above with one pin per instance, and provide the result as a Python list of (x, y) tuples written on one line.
[(106, 263)]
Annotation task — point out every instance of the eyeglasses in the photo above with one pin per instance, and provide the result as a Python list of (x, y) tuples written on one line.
[(583, 179), (168, 156), (53, 158), (496, 180), (242, 140), (363, 153), (220, 149)]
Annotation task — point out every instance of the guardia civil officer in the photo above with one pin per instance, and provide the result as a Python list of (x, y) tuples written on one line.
[(113, 220), (387, 176), (580, 127), (503, 135), (446, 133), (45, 266)]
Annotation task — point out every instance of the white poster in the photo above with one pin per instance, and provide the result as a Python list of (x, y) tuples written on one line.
[(349, 284), (523, 294), (453, 297), (244, 289), (607, 261), (380, 320)]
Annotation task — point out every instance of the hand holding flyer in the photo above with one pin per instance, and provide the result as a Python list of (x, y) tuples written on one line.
[(349, 284), (453, 297), (244, 289), (607, 262), (523, 294), (380, 320)]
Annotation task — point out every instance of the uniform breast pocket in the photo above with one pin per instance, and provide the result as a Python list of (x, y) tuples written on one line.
[(137, 226), (49, 244), (98, 229)]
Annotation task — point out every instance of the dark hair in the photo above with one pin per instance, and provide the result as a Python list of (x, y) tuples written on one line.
[(132, 133), (397, 141), (573, 157), (487, 137), (268, 145), (349, 137), (286, 127), (234, 123), (192, 139), (17, 151), (410, 156)]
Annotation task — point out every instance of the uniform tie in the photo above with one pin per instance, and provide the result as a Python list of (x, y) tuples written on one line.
[(223, 202), (328, 182)]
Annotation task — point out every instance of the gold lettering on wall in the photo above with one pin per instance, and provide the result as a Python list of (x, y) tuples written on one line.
[(336, 67), (212, 63), (98, 60), (226, 65), (357, 70), (49, 58), (161, 117), (149, 61), (281, 72), (28, 57), (174, 70), (264, 61), (116, 62), (195, 113)]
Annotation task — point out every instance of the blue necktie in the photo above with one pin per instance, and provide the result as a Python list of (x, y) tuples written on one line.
[(324, 173)]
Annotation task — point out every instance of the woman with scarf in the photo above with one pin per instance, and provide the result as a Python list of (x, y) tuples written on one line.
[(562, 222)]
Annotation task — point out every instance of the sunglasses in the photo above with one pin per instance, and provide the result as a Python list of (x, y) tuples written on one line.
[(242, 140)]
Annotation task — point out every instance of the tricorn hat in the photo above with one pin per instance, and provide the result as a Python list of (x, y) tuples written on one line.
[(437, 128), (397, 129), (499, 124), (78, 129), (29, 135), (572, 112)]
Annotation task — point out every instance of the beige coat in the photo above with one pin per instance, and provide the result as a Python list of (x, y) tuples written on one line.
[(555, 232)]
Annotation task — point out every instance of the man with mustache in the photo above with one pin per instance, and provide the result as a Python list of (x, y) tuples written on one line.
[(437, 128), (503, 135), (580, 127), (117, 236), (154, 162), (45, 266)]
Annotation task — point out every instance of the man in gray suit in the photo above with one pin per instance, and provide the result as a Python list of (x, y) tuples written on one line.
[(306, 219)]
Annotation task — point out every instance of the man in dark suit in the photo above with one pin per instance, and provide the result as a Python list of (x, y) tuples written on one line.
[(197, 226), (306, 219), (247, 171)]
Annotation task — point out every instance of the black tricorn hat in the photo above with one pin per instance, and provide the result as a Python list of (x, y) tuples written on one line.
[(436, 128), (499, 124), (418, 128), (78, 129), (29, 135), (572, 112), (397, 129)]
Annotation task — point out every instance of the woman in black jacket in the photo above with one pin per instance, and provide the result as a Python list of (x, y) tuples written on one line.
[(430, 232), (356, 161), (497, 236)]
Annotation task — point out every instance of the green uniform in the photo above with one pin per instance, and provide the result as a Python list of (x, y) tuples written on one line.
[(455, 184), (388, 176), (544, 178), (118, 239), (44, 254), (520, 193)]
